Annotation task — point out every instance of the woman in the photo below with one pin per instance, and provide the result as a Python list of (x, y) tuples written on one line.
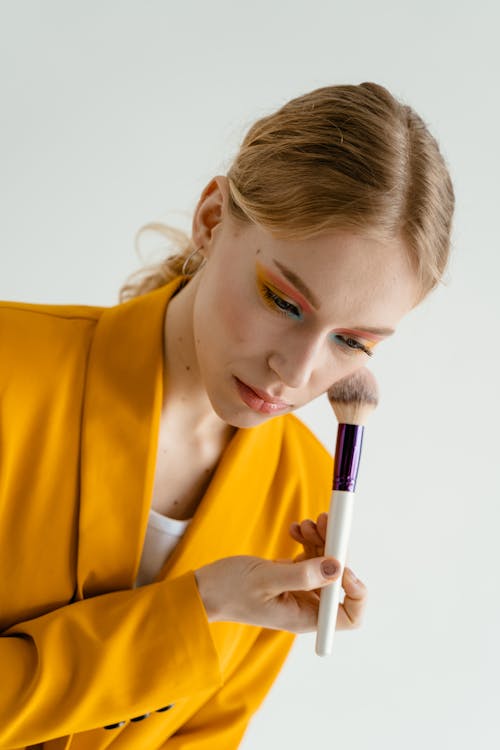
[(157, 494)]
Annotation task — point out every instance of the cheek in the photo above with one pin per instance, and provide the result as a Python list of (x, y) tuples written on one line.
[(237, 318), (331, 366), (341, 370)]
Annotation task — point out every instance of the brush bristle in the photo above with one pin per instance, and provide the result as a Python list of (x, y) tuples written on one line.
[(354, 397)]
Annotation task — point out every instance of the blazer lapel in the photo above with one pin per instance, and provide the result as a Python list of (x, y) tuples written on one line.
[(120, 427), (224, 522)]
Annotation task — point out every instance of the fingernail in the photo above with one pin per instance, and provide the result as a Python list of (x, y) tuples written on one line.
[(328, 568), (353, 577)]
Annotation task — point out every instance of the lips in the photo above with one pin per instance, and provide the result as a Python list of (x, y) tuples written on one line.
[(265, 396), (258, 400)]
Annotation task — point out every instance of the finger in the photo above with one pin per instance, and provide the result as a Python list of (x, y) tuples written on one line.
[(301, 576), (310, 533), (303, 616), (351, 611), (310, 550), (296, 533), (321, 525)]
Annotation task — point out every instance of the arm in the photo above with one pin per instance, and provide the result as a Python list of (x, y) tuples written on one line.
[(221, 722), (101, 659)]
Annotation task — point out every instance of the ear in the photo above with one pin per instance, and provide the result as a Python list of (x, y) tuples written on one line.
[(210, 213)]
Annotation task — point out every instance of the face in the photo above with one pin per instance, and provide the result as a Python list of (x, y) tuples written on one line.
[(291, 317)]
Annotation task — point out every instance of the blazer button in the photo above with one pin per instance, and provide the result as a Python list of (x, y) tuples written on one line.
[(114, 726), (165, 708), (140, 718)]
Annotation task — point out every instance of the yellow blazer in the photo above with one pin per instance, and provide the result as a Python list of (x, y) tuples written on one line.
[(81, 649)]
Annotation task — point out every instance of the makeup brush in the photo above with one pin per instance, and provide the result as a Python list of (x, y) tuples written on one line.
[(353, 399)]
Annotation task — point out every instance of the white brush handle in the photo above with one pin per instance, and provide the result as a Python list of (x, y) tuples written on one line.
[(337, 539)]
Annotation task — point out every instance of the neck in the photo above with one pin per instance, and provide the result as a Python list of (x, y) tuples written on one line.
[(185, 400)]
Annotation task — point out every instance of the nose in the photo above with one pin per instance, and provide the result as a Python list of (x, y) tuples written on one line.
[(296, 360)]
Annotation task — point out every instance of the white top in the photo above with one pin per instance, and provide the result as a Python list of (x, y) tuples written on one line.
[(162, 535)]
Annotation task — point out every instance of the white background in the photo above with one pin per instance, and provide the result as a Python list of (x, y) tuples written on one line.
[(118, 113)]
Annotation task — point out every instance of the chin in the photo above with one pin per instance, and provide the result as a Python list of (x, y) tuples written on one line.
[(229, 407), (243, 417)]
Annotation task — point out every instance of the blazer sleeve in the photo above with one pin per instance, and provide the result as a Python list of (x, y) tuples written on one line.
[(222, 721), (97, 661)]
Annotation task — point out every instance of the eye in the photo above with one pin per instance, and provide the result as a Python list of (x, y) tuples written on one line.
[(278, 304), (282, 307), (353, 344)]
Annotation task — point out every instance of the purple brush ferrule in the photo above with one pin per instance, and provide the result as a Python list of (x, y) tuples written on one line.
[(347, 456)]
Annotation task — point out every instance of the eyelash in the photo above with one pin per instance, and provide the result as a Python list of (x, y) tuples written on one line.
[(274, 302)]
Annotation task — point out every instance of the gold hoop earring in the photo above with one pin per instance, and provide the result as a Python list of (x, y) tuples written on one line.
[(186, 262)]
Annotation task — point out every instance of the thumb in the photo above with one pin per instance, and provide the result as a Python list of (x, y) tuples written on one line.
[(305, 575)]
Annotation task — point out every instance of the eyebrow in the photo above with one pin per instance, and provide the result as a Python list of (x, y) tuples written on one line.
[(292, 277)]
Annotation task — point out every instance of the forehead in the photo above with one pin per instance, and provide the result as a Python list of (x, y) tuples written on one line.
[(340, 263)]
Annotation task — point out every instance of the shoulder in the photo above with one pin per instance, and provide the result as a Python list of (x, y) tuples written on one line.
[(38, 338), (30, 313), (24, 317)]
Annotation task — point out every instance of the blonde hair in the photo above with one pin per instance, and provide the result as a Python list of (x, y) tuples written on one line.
[(339, 157)]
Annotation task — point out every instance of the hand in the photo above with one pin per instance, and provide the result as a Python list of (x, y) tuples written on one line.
[(270, 594), (312, 536)]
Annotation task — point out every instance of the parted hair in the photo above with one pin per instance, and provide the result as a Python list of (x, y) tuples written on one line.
[(339, 157)]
